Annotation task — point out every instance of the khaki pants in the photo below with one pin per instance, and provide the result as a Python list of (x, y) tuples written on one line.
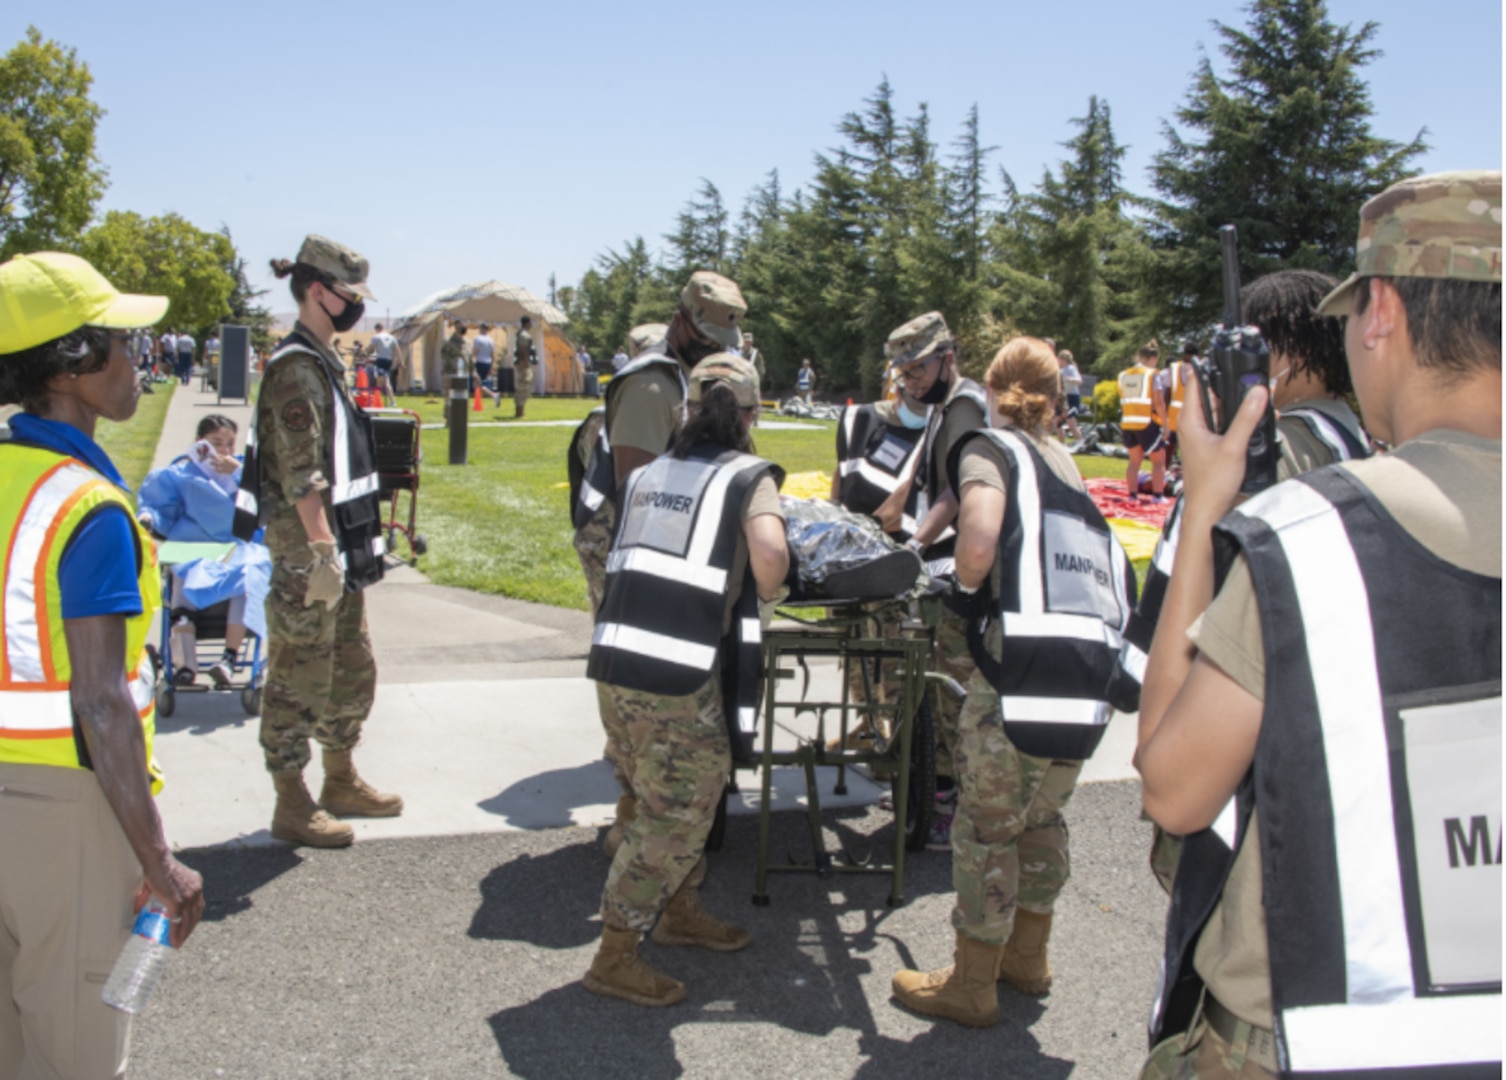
[(65, 913)]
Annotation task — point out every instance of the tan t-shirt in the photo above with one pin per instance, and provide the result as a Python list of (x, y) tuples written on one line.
[(982, 462), (763, 499), (1301, 450), (963, 416), (645, 412), (1444, 488)]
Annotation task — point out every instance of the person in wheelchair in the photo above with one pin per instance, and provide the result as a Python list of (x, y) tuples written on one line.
[(192, 501)]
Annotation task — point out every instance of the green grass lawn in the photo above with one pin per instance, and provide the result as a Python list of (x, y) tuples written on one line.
[(133, 444), (501, 524)]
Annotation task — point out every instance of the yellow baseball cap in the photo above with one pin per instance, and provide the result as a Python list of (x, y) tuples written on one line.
[(49, 294)]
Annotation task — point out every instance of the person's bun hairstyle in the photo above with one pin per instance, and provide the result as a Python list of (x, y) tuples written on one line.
[(1025, 379)]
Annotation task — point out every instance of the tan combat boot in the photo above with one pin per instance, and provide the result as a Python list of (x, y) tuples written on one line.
[(345, 793), (618, 971), (1023, 963), (298, 821), (685, 922), (627, 811), (965, 991)]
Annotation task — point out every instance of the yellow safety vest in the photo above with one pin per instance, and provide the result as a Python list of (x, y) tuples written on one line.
[(1178, 391), (44, 498), (1136, 397)]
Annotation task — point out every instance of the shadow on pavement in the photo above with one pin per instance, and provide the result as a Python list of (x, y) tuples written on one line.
[(232, 874), (206, 712), (545, 800), (546, 900)]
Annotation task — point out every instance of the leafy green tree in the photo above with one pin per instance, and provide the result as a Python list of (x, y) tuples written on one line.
[(602, 309), (701, 240), (50, 176), (1282, 148), (166, 256)]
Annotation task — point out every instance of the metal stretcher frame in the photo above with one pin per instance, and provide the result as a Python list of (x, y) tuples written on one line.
[(841, 632)]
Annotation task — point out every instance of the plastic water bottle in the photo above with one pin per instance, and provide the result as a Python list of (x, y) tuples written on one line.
[(139, 967)]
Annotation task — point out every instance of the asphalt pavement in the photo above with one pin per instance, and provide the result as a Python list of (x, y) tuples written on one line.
[(449, 942)]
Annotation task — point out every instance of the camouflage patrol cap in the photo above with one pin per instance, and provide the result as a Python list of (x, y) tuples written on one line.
[(715, 304), (646, 336), (727, 368), (919, 337), (1446, 225), (338, 261)]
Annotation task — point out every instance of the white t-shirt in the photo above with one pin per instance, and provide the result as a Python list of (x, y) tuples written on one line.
[(1071, 379), (483, 350), (382, 345)]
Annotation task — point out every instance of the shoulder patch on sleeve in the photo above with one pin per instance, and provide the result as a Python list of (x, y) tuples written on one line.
[(298, 415)]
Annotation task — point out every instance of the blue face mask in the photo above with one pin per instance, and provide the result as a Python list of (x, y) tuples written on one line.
[(913, 421)]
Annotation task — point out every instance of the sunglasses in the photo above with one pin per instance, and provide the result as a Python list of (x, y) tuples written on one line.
[(916, 370)]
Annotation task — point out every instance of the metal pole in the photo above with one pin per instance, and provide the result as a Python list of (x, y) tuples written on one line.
[(459, 417)]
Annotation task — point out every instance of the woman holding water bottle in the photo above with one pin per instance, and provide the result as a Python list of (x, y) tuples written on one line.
[(81, 843)]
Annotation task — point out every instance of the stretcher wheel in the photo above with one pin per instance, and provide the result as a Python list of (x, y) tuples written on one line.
[(167, 701), (921, 803), (420, 544), (251, 700)]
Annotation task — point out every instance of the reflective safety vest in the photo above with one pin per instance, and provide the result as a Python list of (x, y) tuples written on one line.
[(1377, 776), (931, 475), (1137, 397), (44, 498), (1066, 592), (668, 577), (598, 480), (1346, 445), (873, 459), (1178, 392), (354, 484)]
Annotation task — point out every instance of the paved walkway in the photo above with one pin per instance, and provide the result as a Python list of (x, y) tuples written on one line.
[(484, 720), (454, 948)]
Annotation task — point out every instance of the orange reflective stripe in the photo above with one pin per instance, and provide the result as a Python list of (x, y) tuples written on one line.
[(27, 687), (54, 733), (44, 631), (10, 550)]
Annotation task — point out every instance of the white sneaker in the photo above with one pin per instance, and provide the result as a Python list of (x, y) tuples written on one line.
[(221, 675)]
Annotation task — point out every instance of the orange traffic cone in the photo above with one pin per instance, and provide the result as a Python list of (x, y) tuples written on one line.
[(363, 395), (476, 401), (376, 398)]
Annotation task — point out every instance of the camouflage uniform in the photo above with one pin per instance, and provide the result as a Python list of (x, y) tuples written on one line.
[(523, 365), (953, 659), (593, 542), (681, 758), (1009, 841), (321, 674), (454, 359), (1203, 1054)]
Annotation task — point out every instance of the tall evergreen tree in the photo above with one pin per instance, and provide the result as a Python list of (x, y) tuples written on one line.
[(1282, 147), (701, 240)]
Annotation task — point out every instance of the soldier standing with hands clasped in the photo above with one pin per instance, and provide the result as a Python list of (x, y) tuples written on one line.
[(310, 477), (522, 367)]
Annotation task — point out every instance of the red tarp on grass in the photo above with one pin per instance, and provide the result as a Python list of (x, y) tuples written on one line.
[(1109, 497)]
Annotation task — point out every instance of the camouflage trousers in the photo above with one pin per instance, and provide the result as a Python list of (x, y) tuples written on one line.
[(522, 387), (679, 764), (1204, 1054), (593, 542), (321, 674), (1009, 841), (955, 661)]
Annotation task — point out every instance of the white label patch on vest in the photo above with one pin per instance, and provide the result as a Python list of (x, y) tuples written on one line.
[(1453, 757), (891, 453), (1079, 569), (661, 510)]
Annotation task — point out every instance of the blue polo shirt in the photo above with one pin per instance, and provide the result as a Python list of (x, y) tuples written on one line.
[(97, 575)]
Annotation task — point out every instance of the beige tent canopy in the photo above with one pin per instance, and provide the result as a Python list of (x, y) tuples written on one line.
[(501, 305)]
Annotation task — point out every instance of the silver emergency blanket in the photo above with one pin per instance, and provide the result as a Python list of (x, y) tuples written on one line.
[(836, 554)]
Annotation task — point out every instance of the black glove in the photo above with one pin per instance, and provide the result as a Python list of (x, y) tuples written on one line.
[(974, 604)]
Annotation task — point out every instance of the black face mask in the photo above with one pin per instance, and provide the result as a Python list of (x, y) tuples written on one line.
[(938, 391), (354, 309)]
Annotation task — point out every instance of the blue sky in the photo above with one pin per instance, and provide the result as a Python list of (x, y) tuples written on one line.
[(454, 142)]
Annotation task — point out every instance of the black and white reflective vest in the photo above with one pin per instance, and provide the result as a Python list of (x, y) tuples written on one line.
[(354, 485), (1377, 776), (659, 629), (931, 476), (589, 440), (1066, 591), (599, 481), (874, 459), (1346, 442)]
